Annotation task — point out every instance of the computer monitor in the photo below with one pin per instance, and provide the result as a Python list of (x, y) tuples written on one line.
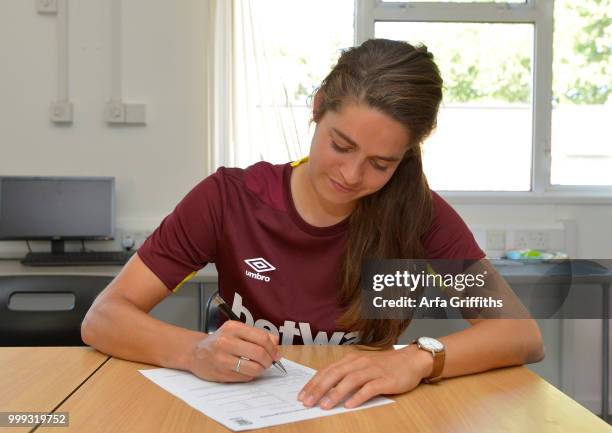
[(57, 209)]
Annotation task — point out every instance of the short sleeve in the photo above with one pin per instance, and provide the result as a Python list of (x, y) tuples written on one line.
[(187, 239), (448, 236)]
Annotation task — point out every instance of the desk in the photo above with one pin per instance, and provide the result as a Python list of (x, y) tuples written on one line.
[(578, 272), (118, 398), (10, 267), (38, 379), (208, 276)]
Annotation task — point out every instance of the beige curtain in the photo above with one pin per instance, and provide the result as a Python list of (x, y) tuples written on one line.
[(250, 115)]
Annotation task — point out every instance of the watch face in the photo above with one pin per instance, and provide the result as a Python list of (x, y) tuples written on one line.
[(431, 344)]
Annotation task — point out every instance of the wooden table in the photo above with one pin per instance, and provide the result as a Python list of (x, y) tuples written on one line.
[(117, 398), (39, 379)]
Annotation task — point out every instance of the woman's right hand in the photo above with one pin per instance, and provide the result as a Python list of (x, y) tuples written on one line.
[(216, 356)]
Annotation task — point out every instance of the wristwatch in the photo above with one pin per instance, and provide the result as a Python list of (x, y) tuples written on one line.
[(436, 348)]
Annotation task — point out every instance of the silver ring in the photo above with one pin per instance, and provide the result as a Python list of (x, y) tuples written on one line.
[(237, 367)]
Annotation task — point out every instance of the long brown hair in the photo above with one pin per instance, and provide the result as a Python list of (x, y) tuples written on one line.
[(402, 81)]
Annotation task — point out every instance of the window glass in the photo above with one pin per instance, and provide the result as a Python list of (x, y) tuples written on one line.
[(581, 145), (483, 141)]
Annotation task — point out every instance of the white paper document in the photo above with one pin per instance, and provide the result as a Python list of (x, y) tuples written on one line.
[(269, 400)]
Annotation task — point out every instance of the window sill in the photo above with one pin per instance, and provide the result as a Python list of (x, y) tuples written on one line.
[(512, 198)]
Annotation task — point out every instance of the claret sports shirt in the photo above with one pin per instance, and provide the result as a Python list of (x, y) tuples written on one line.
[(276, 271)]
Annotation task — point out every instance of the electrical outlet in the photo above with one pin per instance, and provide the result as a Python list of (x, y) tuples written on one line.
[(496, 240), (539, 240), (140, 237), (61, 112), (115, 112), (530, 239), (46, 6), (135, 113), (120, 112)]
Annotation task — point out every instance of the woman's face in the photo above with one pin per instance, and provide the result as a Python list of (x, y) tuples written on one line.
[(354, 153)]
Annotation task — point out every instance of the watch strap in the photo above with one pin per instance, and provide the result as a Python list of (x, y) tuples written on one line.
[(436, 373), (438, 363)]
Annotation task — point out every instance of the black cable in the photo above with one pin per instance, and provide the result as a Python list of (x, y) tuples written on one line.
[(28, 244), (84, 249)]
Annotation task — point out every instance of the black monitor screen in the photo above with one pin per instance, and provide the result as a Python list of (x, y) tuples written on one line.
[(57, 207)]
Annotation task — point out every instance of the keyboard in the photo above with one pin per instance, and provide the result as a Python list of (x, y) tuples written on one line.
[(99, 258)]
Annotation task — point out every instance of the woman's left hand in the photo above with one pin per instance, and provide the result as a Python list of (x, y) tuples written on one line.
[(365, 375)]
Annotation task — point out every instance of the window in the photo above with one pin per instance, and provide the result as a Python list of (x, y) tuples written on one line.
[(514, 117), (527, 82), (486, 116), (456, 1), (582, 82)]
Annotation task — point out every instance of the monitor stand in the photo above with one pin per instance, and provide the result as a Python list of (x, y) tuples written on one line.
[(57, 246)]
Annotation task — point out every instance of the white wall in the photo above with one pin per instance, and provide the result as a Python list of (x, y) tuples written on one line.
[(163, 66), (155, 165)]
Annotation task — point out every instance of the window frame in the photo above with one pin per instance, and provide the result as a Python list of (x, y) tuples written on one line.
[(536, 12)]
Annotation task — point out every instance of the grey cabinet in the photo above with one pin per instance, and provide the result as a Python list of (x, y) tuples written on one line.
[(45, 310)]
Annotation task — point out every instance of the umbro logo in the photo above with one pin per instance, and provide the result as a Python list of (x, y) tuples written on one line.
[(259, 264)]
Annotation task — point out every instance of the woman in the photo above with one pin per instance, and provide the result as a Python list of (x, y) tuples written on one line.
[(289, 242)]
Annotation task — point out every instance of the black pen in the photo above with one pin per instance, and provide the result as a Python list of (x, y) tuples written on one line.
[(227, 311)]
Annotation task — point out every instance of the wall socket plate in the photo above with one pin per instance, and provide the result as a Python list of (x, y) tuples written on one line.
[(531, 239), (61, 112), (118, 112), (115, 112), (46, 6), (135, 114), (131, 236), (140, 236), (496, 240)]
